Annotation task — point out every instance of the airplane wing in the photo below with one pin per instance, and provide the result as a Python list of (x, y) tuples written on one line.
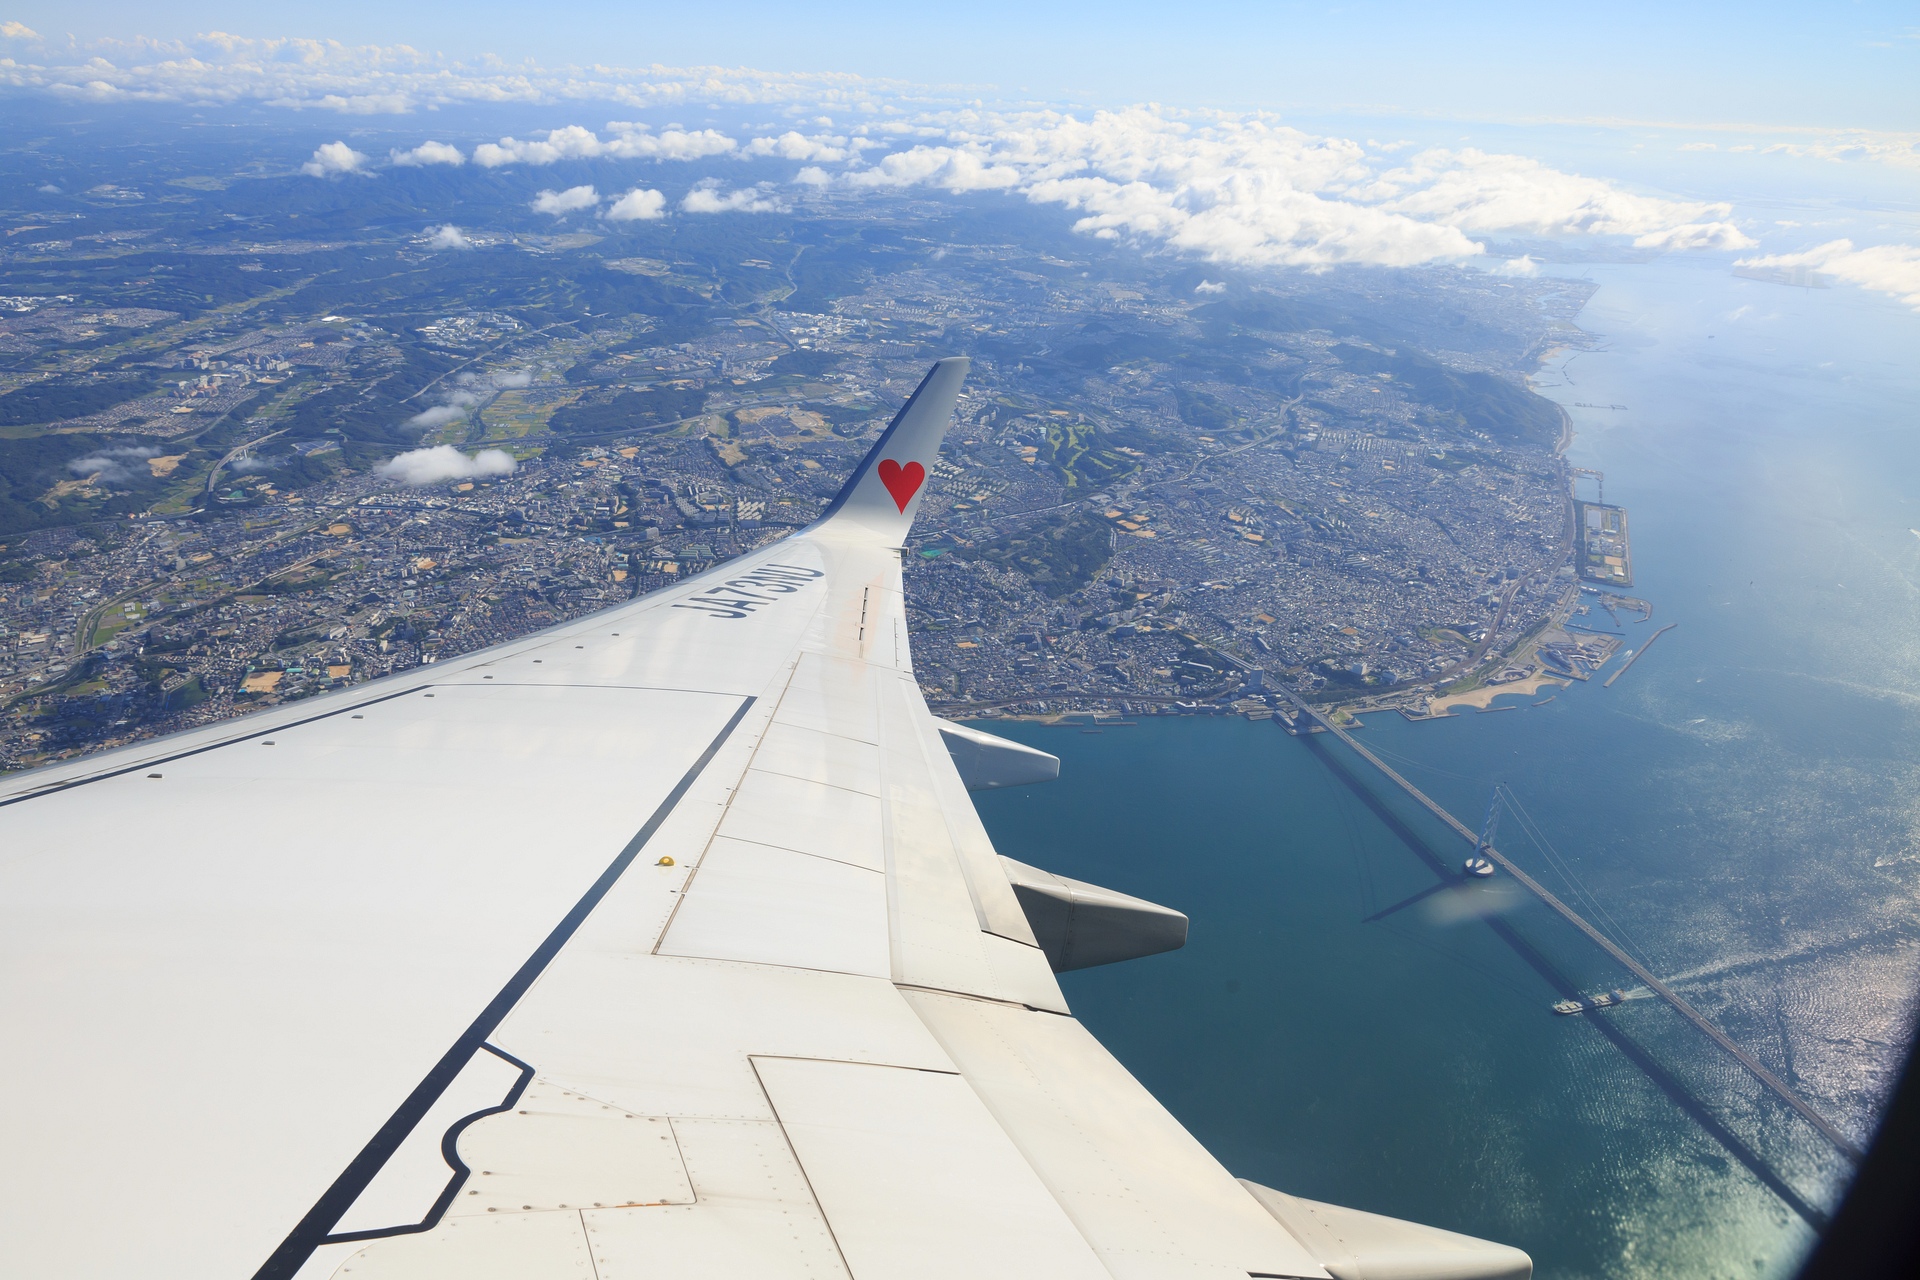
[(664, 943)]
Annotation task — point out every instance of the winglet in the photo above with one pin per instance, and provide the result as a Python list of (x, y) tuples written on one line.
[(885, 491)]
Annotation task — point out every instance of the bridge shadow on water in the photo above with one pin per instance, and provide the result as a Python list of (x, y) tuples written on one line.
[(1663, 1079)]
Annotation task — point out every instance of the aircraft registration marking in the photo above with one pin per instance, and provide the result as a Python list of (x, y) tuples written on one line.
[(738, 597)]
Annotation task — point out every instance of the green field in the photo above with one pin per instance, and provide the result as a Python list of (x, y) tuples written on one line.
[(1059, 555), (1081, 456)]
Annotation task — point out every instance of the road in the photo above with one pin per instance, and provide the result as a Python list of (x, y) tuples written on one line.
[(235, 452)]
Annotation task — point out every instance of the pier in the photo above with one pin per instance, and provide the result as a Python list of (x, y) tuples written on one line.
[(1773, 1083), (1637, 655)]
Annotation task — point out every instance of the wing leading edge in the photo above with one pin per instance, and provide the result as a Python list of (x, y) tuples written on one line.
[(665, 942)]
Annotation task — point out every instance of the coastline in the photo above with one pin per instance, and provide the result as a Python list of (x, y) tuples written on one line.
[(1482, 698)]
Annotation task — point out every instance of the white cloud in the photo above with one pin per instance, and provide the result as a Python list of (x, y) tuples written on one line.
[(822, 148), (457, 402), (217, 67), (708, 198), (447, 237), (629, 142), (1247, 189), (467, 391), (634, 142), (1696, 235), (1887, 268), (307, 74), (1210, 286), (561, 203), (1240, 188), (638, 205), (443, 463), (1478, 191), (109, 464), (333, 158), (1524, 265), (946, 167), (1900, 152), (440, 415), (570, 143), (428, 153)]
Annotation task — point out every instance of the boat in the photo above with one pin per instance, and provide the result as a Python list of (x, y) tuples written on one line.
[(1605, 1000)]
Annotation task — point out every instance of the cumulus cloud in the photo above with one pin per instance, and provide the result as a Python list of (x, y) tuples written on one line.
[(428, 153), (443, 462), (467, 391), (1478, 191), (307, 74), (109, 464), (331, 159), (638, 205), (949, 168), (629, 142), (821, 148), (1900, 152), (708, 198), (1246, 189), (218, 67), (441, 414), (447, 237), (1696, 235), (1887, 268), (561, 203), (1524, 265), (1210, 286), (1228, 188), (1232, 188)]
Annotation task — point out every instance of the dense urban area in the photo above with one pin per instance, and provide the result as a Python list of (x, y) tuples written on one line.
[(254, 447)]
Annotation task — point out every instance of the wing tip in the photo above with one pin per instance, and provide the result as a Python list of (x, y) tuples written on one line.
[(909, 446)]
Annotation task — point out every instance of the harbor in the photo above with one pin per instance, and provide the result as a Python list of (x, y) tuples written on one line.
[(1635, 657)]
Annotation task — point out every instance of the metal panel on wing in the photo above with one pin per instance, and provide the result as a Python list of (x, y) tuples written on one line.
[(915, 1177)]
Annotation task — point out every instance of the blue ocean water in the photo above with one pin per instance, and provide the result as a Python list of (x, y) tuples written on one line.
[(1741, 810)]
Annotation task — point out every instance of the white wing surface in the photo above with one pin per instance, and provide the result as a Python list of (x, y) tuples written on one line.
[(665, 943)]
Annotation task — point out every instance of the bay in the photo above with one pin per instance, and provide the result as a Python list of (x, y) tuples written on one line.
[(1741, 810)]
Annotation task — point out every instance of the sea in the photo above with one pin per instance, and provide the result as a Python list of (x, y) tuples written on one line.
[(1741, 811)]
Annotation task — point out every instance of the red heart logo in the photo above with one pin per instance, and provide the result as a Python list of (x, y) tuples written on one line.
[(902, 482)]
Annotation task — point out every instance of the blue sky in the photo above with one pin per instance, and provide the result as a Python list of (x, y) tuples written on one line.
[(1834, 65)]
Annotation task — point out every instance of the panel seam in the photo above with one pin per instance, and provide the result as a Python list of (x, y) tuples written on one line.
[(311, 1231)]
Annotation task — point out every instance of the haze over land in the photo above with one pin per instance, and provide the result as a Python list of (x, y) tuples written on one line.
[(1250, 403)]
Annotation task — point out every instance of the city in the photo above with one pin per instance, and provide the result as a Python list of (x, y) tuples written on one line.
[(1167, 493)]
